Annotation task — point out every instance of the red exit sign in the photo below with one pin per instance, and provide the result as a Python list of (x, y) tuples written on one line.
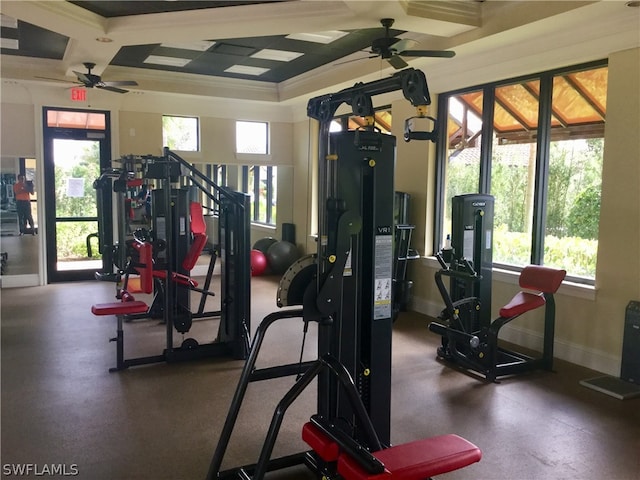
[(78, 94)]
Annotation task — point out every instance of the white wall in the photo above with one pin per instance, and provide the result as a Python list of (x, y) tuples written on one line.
[(589, 321)]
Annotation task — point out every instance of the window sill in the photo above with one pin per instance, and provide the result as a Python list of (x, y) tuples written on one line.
[(571, 289), (266, 226), (251, 158)]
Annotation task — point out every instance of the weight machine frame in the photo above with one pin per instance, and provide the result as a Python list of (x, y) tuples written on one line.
[(348, 229), (233, 338)]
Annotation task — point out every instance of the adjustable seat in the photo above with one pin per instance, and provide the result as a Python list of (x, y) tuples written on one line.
[(542, 283)]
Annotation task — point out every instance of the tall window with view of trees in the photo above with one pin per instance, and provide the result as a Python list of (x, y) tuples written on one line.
[(81, 162), (543, 165), (259, 181)]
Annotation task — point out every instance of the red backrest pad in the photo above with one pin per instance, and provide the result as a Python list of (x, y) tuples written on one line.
[(190, 259), (542, 279), (197, 219), (145, 250)]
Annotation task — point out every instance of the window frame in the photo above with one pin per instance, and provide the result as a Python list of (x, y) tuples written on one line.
[(197, 131), (267, 145), (217, 173), (543, 142), (349, 119)]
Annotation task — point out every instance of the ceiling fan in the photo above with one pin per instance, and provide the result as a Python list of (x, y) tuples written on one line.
[(89, 80), (392, 49)]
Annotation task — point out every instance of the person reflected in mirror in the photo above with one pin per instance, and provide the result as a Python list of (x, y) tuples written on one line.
[(22, 191), (145, 197)]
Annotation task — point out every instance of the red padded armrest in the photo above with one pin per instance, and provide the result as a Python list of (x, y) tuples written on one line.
[(176, 277), (416, 460)]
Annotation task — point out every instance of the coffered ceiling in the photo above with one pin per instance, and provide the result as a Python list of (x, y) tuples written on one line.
[(285, 49)]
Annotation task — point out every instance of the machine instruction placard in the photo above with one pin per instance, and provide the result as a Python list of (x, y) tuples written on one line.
[(383, 274)]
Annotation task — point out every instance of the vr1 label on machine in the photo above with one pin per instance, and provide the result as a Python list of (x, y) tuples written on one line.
[(383, 273)]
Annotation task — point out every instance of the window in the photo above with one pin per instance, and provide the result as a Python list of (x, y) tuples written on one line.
[(218, 175), (260, 182), (180, 133), (252, 138), (381, 117), (543, 165)]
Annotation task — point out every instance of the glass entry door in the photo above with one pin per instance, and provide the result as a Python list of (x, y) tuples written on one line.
[(74, 159)]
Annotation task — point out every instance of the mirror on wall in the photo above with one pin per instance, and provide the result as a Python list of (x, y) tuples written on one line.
[(19, 247)]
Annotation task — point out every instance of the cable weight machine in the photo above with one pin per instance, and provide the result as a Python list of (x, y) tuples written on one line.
[(346, 287), (469, 333), (356, 174)]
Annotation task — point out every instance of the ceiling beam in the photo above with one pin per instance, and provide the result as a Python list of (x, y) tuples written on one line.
[(465, 13)]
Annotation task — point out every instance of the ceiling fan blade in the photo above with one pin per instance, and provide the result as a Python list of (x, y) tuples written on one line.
[(397, 62), (428, 53), (111, 89), (121, 83), (356, 60), (59, 80), (82, 77), (403, 44)]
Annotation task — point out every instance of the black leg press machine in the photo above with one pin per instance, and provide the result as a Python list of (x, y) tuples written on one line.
[(469, 335), (346, 290)]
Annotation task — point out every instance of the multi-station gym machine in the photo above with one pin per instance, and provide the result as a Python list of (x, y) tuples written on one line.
[(346, 288), (176, 238)]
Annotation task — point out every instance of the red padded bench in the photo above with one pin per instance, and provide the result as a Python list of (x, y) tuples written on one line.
[(416, 460)]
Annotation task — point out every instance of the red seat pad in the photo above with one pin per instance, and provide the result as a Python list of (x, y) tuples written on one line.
[(416, 460), (326, 448), (119, 308), (522, 302)]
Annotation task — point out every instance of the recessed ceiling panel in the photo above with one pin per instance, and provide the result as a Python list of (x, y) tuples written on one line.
[(31, 41), (224, 53), (110, 9)]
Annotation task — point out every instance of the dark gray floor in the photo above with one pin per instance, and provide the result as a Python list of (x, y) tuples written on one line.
[(61, 406)]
